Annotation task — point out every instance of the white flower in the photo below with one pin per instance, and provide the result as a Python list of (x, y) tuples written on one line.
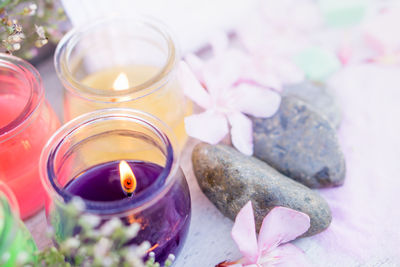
[(22, 258), (109, 227), (72, 243), (40, 32), (5, 257), (102, 248), (132, 230), (78, 204), (90, 220), (135, 254)]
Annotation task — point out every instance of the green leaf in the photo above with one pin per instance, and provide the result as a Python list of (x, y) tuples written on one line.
[(3, 3)]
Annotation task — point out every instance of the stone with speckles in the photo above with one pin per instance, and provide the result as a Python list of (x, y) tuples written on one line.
[(301, 144), (230, 179), (319, 97)]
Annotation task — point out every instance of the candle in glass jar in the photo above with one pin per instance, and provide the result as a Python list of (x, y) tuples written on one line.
[(105, 182), (120, 78), (136, 70), (26, 122), (135, 177)]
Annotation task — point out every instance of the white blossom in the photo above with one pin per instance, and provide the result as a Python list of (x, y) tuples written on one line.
[(72, 243), (109, 227), (132, 230), (90, 220), (102, 248), (22, 258), (78, 204)]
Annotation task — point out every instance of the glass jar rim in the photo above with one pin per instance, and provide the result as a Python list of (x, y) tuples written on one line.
[(73, 85), (21, 121), (46, 166), (9, 195)]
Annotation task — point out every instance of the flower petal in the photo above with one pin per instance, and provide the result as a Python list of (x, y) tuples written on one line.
[(287, 71), (264, 77), (254, 100), (244, 234), (287, 255), (192, 87), (281, 225), (209, 126), (223, 71), (241, 132), (196, 65)]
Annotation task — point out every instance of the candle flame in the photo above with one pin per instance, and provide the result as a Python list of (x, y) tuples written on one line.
[(127, 178), (121, 82)]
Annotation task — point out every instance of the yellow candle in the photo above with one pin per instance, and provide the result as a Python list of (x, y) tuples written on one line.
[(138, 72), (167, 103)]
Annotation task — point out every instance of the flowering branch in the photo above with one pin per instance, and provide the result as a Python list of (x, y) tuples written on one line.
[(97, 244), (31, 23)]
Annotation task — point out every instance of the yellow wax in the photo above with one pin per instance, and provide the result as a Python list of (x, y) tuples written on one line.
[(104, 79), (167, 103)]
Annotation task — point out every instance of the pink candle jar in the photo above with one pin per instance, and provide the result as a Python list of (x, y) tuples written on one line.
[(26, 122)]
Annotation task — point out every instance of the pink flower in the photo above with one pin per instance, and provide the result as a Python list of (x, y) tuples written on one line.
[(276, 33), (225, 88), (374, 41), (280, 226), (381, 37)]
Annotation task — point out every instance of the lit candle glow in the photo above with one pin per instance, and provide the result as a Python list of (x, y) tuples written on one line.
[(121, 82), (127, 178)]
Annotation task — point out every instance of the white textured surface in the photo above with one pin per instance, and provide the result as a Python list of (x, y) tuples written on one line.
[(209, 240)]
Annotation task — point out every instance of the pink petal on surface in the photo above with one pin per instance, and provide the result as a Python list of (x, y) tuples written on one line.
[(380, 30), (254, 100), (288, 71), (209, 126), (192, 87), (287, 255), (281, 225), (196, 65), (244, 234), (345, 53), (241, 132), (221, 72), (262, 76)]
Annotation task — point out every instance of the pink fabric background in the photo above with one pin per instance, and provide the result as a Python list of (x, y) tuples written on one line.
[(366, 212)]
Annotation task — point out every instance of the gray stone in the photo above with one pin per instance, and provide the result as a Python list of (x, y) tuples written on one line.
[(230, 179), (319, 97), (301, 144)]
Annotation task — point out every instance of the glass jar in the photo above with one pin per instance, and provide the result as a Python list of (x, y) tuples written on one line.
[(26, 123), (15, 239), (163, 209), (91, 60)]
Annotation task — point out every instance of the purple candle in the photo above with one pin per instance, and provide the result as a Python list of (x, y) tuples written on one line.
[(103, 183), (123, 164)]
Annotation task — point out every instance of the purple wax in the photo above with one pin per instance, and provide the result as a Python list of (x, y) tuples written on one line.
[(102, 182), (164, 224)]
